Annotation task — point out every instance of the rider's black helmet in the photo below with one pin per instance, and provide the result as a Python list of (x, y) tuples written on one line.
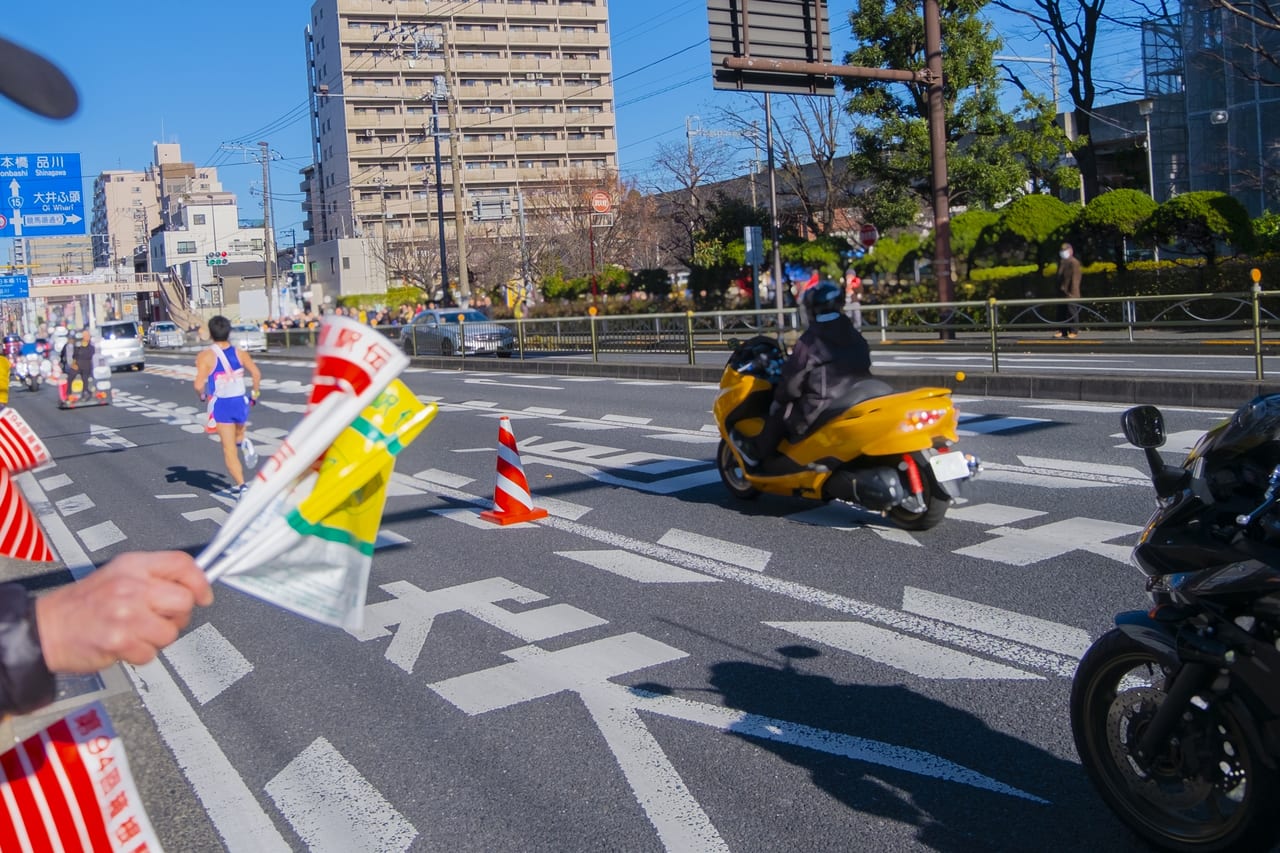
[(825, 297)]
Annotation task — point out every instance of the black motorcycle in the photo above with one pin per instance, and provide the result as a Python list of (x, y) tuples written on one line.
[(1176, 711)]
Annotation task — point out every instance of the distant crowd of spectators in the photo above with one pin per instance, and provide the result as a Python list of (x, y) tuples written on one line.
[(379, 316)]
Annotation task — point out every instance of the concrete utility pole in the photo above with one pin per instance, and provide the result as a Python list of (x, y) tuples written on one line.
[(455, 156), (269, 241)]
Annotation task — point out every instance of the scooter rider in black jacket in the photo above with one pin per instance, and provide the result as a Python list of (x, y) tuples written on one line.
[(826, 361)]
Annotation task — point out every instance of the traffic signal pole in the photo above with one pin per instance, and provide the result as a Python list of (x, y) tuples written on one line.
[(930, 77)]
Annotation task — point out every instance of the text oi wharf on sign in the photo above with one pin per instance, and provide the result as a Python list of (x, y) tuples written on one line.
[(41, 195)]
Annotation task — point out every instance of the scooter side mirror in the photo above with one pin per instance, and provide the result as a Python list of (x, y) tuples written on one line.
[(1144, 427)]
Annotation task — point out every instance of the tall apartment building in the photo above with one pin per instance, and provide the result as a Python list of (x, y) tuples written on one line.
[(126, 206), (529, 85)]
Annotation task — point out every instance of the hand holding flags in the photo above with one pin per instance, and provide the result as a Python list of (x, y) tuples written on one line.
[(302, 536)]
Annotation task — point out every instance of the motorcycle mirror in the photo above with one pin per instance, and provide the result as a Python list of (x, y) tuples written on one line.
[(1143, 427)]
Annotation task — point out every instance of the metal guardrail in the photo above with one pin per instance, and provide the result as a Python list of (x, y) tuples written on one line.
[(1252, 312)]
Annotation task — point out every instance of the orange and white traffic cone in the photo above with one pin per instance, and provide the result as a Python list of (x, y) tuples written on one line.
[(512, 502)]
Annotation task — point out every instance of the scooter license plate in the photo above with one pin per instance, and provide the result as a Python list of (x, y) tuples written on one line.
[(949, 466)]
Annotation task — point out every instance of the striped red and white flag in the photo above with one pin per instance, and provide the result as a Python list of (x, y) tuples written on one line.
[(20, 535), (20, 448), (68, 788)]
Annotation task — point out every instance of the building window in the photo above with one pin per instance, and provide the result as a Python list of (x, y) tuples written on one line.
[(198, 219), (186, 247), (346, 263)]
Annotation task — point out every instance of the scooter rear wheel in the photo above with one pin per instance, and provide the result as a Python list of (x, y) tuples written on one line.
[(732, 474), (935, 506)]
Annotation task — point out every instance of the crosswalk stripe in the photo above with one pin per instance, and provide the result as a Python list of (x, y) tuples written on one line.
[(207, 662), (1018, 627)]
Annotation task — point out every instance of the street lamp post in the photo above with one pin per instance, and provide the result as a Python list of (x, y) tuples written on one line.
[(1145, 108)]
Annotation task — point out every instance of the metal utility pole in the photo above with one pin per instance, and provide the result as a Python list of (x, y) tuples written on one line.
[(269, 241), (441, 90)]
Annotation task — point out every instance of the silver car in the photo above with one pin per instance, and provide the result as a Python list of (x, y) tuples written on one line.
[(455, 331), (163, 334), (120, 343), (247, 336)]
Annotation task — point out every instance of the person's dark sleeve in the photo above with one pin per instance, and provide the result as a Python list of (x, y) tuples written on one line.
[(25, 682), (791, 383)]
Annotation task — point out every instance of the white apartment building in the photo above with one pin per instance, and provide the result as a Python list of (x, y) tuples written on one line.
[(126, 206), (529, 86), (197, 219)]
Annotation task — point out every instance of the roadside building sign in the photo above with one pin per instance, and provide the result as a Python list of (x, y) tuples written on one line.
[(753, 240), (14, 287), (41, 195)]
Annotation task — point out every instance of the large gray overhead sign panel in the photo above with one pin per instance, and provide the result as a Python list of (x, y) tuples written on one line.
[(794, 30)]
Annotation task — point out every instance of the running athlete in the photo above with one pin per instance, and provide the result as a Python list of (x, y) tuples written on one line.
[(220, 372)]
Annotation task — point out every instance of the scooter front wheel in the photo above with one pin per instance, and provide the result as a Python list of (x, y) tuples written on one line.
[(732, 474)]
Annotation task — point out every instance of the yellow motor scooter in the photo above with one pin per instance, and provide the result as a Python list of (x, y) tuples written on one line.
[(887, 451)]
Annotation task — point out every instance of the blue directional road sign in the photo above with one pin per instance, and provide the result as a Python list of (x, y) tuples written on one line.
[(41, 195), (14, 287)]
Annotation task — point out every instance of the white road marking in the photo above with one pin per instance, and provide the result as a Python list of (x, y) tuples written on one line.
[(1175, 443), (414, 610), (180, 496), (1017, 653), (841, 516), (495, 382), (478, 404), (207, 662), (1041, 633), (74, 504), (334, 809), (232, 808), (216, 514), (389, 539), (443, 478), (286, 408), (57, 481), (561, 508), (732, 553), (682, 438), (635, 567), (1080, 407), (626, 419), (101, 536), (588, 426), (106, 437), (709, 428), (471, 518), (992, 515), (909, 654), (1097, 469), (1024, 546), (538, 410)]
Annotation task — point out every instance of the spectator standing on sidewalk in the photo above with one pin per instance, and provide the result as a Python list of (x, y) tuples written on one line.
[(1069, 274), (220, 372)]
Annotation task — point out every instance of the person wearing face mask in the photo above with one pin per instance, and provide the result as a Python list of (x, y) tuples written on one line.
[(1069, 275)]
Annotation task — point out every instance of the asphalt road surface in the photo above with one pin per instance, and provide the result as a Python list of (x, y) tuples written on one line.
[(653, 667)]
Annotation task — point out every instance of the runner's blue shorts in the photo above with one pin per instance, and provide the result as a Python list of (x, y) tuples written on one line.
[(233, 410)]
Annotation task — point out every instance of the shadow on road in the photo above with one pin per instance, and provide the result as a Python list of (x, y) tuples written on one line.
[(197, 478), (948, 815)]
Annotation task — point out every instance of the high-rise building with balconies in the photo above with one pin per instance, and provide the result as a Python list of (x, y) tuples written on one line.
[(523, 88), (126, 206)]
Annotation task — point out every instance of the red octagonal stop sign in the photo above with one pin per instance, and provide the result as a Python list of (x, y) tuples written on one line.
[(868, 235)]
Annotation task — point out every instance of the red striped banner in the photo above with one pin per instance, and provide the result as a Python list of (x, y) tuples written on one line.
[(348, 357), (20, 448), (68, 788), (20, 535)]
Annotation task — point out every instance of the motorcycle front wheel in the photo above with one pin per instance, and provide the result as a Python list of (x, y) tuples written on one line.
[(1208, 790), (732, 475)]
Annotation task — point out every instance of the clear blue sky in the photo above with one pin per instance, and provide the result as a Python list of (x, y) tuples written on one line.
[(233, 72)]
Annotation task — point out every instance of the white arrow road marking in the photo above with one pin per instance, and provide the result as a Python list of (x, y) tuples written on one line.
[(333, 808), (1018, 627), (924, 659), (1023, 547), (216, 514), (511, 384), (717, 549), (207, 662), (676, 815), (626, 419), (106, 437), (985, 644), (635, 567), (414, 610)]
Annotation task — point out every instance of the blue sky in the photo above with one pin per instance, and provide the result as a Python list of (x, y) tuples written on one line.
[(233, 73)]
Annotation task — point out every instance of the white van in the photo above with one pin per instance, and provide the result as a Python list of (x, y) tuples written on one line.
[(120, 343)]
